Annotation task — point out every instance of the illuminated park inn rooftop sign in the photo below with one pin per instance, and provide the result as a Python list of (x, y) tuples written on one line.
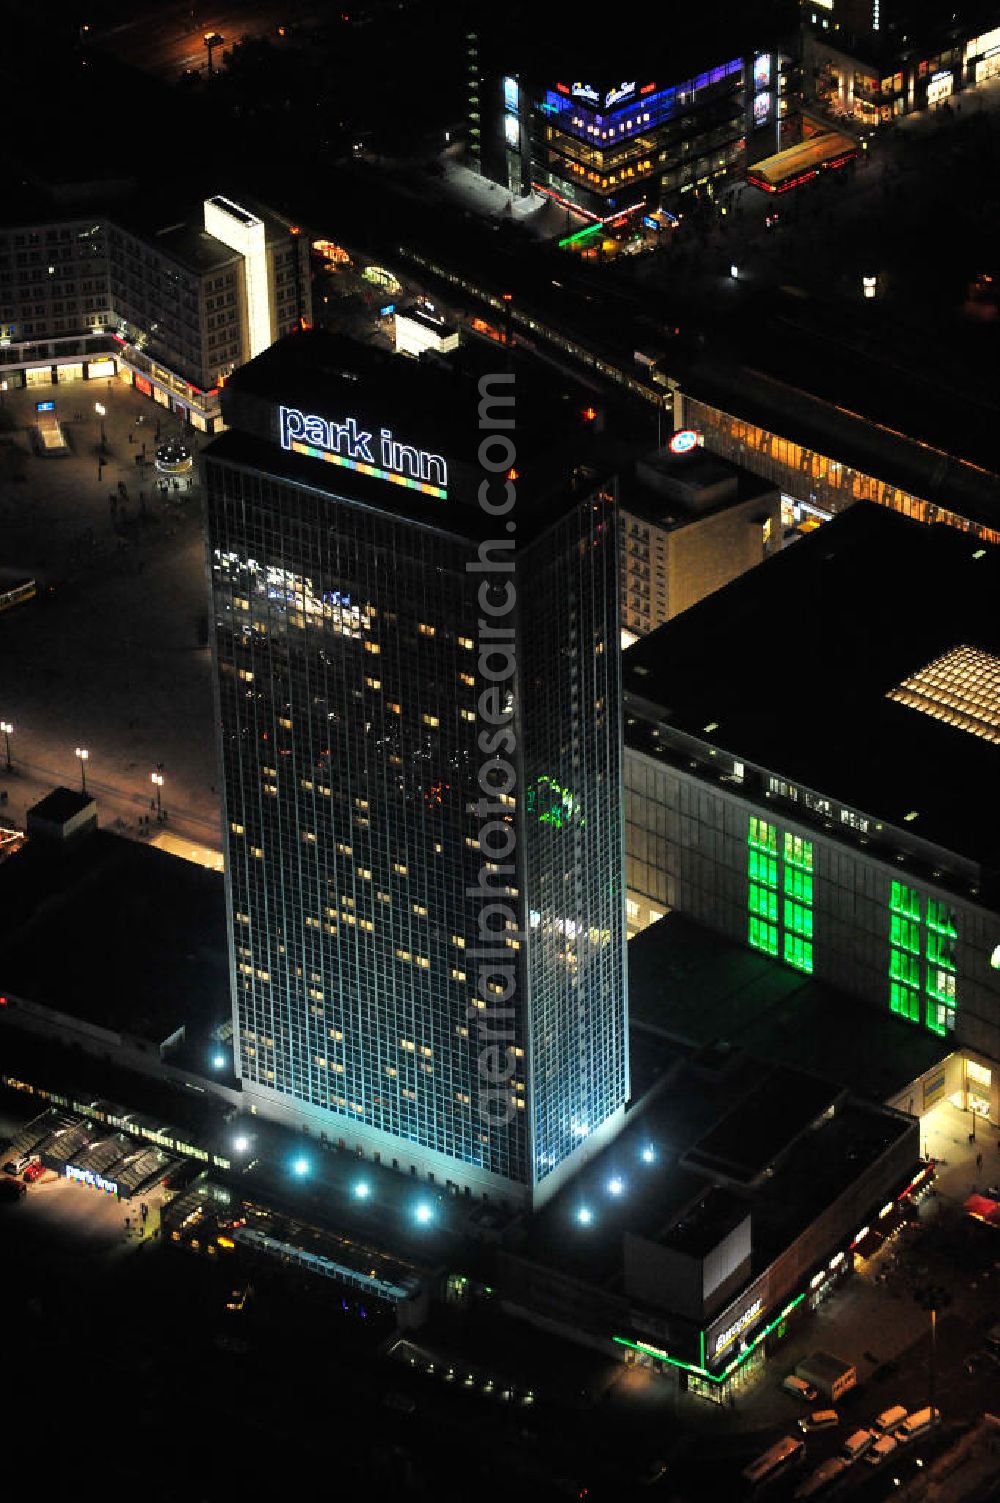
[(352, 447)]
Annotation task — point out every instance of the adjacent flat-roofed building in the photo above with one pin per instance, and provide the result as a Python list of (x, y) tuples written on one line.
[(351, 608), (172, 304), (690, 522), (828, 799), (733, 1203)]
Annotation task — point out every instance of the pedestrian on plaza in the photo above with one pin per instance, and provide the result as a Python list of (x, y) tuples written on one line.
[(979, 1161)]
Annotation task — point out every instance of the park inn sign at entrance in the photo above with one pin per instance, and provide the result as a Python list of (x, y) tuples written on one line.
[(378, 455)]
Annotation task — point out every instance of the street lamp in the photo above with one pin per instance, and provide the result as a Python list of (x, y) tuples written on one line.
[(157, 780), (7, 729), (932, 1298), (212, 40), (84, 756)]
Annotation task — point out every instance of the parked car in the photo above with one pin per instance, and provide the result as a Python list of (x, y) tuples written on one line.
[(819, 1419), (857, 1444), (890, 1419), (34, 1171), (15, 1165), (800, 1388), (917, 1423), (883, 1447)]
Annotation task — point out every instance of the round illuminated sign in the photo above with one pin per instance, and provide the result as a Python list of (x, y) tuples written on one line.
[(684, 440)]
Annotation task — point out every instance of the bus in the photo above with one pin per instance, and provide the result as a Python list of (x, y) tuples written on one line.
[(16, 589), (802, 162), (785, 1454)]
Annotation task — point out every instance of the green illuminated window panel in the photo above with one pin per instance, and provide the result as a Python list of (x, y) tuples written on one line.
[(799, 953), (941, 950), (941, 986), (941, 918), (798, 884), (903, 967), (763, 936), (799, 852), (905, 900), (762, 835), (798, 919), (905, 1001), (763, 868), (905, 933), (763, 902), (940, 1019)]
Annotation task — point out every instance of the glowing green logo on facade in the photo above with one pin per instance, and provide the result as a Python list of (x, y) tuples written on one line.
[(552, 804)]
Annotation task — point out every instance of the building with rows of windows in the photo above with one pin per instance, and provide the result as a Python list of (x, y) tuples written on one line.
[(352, 645), (604, 123), (172, 306), (810, 755)]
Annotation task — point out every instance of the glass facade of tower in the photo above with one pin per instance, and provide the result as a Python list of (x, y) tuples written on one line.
[(345, 640), (573, 832)]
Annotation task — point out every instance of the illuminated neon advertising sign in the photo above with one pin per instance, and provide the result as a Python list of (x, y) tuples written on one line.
[(354, 448), (729, 1335), (587, 92), (684, 440), (618, 93), (511, 95), (762, 70), (761, 108), (88, 1177)]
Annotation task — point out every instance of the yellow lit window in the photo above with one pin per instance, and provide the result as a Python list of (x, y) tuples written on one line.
[(237, 829), (396, 709), (468, 714), (425, 630), (466, 678), (398, 867), (361, 803), (422, 962), (306, 784), (391, 1070), (403, 955), (467, 643), (345, 850), (256, 851), (246, 674), (309, 836), (432, 720), (372, 647), (408, 1045), (367, 924), (374, 683), (457, 975), (458, 941), (284, 721), (419, 908)]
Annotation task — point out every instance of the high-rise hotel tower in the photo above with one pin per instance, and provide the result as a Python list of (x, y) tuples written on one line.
[(427, 943)]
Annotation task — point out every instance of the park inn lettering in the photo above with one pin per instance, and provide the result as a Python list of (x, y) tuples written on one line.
[(381, 456)]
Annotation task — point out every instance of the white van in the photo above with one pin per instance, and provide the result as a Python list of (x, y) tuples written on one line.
[(917, 1423), (890, 1419), (883, 1447), (857, 1444)]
